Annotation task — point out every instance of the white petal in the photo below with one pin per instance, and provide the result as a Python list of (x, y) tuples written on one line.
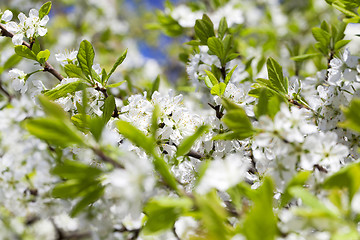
[(33, 13), (17, 39), (7, 16), (44, 20), (22, 17), (42, 31)]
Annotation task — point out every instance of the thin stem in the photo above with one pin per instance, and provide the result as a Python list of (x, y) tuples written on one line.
[(47, 68), (105, 158)]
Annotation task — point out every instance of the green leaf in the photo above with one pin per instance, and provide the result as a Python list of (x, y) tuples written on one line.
[(96, 126), (321, 36), (163, 212), (85, 57), (154, 122), (312, 201), (91, 197), (304, 57), (76, 170), (54, 131), (43, 56), (155, 85), (213, 215), (298, 180), (216, 47), (260, 222), (185, 146), (352, 114), (44, 9), (340, 44), (237, 120), (74, 71), (276, 77), (114, 85), (223, 27), (345, 178), (52, 109), (163, 169), (262, 106), (117, 63), (81, 122), (12, 61), (212, 78), (204, 29), (25, 52), (64, 89), (218, 89), (229, 75), (136, 136), (109, 107)]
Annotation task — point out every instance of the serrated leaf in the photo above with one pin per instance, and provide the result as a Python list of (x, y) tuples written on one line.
[(276, 77), (117, 63), (64, 89), (25, 52), (85, 57), (44, 9), (216, 47), (218, 89), (185, 146), (74, 71), (204, 29)]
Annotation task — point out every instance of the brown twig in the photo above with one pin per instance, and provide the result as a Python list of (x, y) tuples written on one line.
[(106, 159), (47, 68)]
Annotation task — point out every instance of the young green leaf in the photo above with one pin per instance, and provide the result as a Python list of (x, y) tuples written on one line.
[(52, 109), (109, 107), (44, 9), (304, 57), (204, 28), (117, 63), (25, 52), (321, 36), (74, 71), (223, 27), (216, 47), (276, 76), (115, 85), (212, 77), (163, 212), (347, 177), (76, 170), (352, 114), (85, 57), (64, 89), (218, 89), (187, 143), (229, 75), (136, 136), (43, 56), (260, 222), (92, 196), (298, 180), (155, 85)]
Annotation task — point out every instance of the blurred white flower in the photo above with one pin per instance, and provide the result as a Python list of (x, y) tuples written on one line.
[(66, 57), (6, 16), (19, 82), (224, 173)]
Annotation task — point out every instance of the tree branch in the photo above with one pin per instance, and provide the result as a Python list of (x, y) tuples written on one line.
[(47, 68)]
